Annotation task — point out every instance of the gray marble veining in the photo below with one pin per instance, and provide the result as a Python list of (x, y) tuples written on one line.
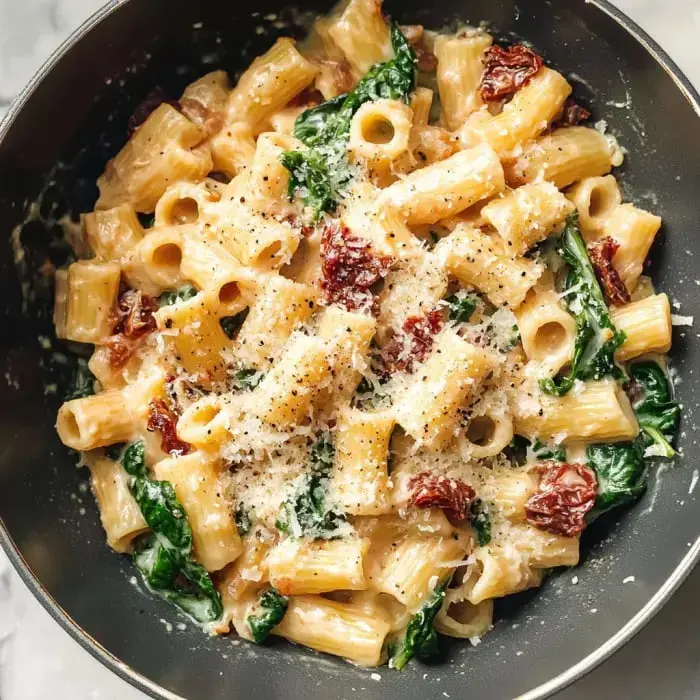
[(39, 661)]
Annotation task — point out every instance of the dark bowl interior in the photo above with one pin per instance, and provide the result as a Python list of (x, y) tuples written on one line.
[(75, 119)]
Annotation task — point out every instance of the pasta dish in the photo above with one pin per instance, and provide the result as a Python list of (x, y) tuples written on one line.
[(373, 339)]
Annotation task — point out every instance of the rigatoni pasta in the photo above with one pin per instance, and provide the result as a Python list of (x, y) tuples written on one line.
[(360, 367)]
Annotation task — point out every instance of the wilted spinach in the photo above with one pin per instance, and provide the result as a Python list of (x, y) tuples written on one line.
[(461, 306), (421, 638), (480, 520), (320, 171), (657, 414), (268, 613), (621, 467), (306, 513), (184, 293), (164, 556), (597, 339)]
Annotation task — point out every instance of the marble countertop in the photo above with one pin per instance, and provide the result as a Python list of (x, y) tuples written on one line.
[(39, 661)]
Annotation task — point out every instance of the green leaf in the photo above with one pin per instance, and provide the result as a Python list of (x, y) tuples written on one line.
[(248, 379), (462, 306), (243, 521), (164, 556), (547, 451), (597, 339), (621, 474), (480, 520), (657, 414), (172, 297), (320, 172), (83, 382), (134, 459), (268, 613), (306, 513), (421, 638), (230, 325)]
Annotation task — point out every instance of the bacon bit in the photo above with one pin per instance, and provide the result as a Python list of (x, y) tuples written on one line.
[(133, 320), (415, 35), (350, 268), (566, 493), (413, 343), (508, 70), (601, 253), (163, 419), (572, 113), (149, 104), (452, 495)]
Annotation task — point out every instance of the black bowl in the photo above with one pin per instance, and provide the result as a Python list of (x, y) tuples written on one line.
[(56, 140)]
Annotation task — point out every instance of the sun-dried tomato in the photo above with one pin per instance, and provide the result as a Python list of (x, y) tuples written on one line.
[(149, 104), (508, 70), (601, 254), (133, 319), (572, 113), (413, 343), (350, 268), (162, 418), (135, 313), (433, 491), (566, 493), (119, 350)]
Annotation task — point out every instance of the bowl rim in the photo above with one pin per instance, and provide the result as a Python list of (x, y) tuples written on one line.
[(540, 692)]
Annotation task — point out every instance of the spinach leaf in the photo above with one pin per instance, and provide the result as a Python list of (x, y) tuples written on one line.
[(621, 467), (657, 414), (83, 382), (270, 609), (248, 378), (480, 520), (320, 171), (172, 297), (164, 556), (421, 638), (306, 512), (243, 521), (230, 325), (621, 474), (521, 450), (461, 306), (546, 451), (597, 339)]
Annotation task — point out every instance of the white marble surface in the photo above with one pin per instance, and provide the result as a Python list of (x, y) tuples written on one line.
[(39, 661)]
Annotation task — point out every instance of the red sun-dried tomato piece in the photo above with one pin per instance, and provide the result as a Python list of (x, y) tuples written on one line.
[(350, 267), (508, 70), (163, 419), (433, 491), (601, 254), (566, 493), (135, 313), (133, 319), (572, 113), (413, 343)]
